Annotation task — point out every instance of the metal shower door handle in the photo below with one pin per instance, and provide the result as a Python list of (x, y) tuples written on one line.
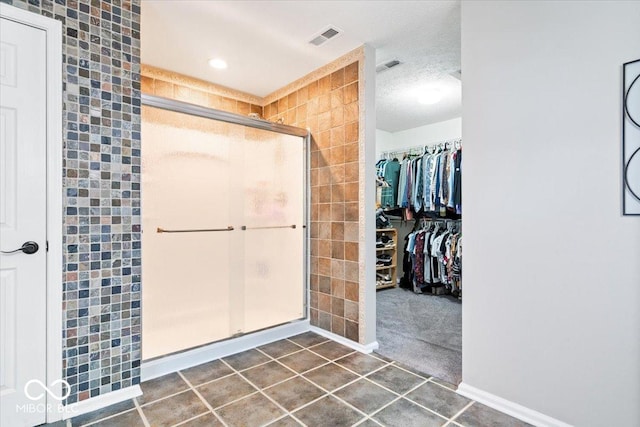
[(28, 248)]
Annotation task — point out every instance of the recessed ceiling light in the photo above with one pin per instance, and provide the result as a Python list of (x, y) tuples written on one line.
[(217, 63), (430, 96)]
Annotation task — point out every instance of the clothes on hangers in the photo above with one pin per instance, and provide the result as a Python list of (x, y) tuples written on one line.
[(433, 258), (429, 183)]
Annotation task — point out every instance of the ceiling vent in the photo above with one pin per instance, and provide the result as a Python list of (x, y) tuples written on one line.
[(326, 35), (387, 65)]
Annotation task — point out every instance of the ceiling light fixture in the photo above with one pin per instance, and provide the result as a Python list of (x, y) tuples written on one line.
[(430, 96), (218, 64)]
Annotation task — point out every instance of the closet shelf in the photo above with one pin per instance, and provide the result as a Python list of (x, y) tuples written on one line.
[(385, 267), (386, 248), (384, 285)]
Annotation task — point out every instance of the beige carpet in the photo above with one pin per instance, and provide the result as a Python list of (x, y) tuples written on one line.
[(423, 332)]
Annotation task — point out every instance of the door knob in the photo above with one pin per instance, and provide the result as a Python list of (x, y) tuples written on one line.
[(27, 247)]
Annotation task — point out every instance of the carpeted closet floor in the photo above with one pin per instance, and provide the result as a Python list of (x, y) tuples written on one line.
[(421, 331)]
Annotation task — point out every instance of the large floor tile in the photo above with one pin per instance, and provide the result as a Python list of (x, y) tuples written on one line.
[(330, 377), (302, 361), (255, 410), (439, 399), (285, 422), (280, 348), (161, 387), (175, 409), (403, 413), (294, 393), (479, 415), (268, 374), (365, 395), (208, 420), (331, 350), (360, 363), (127, 419), (246, 359), (206, 372), (395, 379), (102, 413), (308, 339), (225, 390), (328, 411)]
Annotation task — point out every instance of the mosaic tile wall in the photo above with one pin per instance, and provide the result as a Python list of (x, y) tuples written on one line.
[(329, 107), (101, 306)]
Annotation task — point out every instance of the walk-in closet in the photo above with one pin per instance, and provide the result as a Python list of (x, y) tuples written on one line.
[(420, 204)]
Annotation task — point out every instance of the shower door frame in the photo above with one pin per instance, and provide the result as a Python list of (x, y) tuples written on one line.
[(158, 366)]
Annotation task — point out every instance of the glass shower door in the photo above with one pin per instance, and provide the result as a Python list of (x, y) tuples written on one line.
[(272, 192), (186, 185)]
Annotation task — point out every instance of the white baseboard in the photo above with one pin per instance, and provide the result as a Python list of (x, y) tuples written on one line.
[(508, 407), (362, 348), (175, 362), (101, 401)]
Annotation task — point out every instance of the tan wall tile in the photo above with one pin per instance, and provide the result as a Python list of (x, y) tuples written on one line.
[(324, 266), (337, 79), (324, 320), (324, 85), (313, 283), (324, 122), (351, 152), (337, 250), (351, 93), (324, 302), (337, 98), (337, 325), (147, 85), (164, 89), (324, 230), (351, 231), (337, 306), (350, 271), (351, 192), (351, 211), (351, 251), (351, 132), (324, 248), (351, 330), (312, 89), (351, 112), (303, 95), (351, 310), (324, 284), (337, 231), (351, 291), (337, 268), (324, 103), (337, 212), (351, 172), (338, 174), (324, 212), (292, 100), (337, 193), (314, 317), (351, 73), (337, 155), (283, 105), (337, 287)]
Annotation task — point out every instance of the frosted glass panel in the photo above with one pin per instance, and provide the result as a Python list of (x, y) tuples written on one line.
[(185, 185), (203, 174), (273, 259)]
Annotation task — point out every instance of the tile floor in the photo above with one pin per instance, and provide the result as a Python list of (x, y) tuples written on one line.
[(304, 380)]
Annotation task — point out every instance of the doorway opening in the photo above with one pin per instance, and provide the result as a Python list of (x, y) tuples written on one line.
[(419, 200)]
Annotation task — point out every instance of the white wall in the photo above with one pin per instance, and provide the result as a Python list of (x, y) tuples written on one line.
[(423, 135), (551, 316)]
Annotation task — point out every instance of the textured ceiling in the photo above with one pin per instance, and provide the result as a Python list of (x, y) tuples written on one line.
[(266, 46)]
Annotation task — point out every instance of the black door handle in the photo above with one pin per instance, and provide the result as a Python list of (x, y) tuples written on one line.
[(27, 248)]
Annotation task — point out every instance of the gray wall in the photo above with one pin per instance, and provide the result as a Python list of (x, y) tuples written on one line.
[(551, 313)]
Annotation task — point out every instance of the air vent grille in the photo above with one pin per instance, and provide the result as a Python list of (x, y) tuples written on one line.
[(387, 65), (326, 35)]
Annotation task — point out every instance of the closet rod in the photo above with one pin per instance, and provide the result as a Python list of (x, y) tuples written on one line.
[(201, 230)]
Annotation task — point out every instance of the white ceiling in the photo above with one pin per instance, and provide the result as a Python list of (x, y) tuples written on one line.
[(266, 46)]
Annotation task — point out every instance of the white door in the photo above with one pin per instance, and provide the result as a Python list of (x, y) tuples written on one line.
[(22, 219)]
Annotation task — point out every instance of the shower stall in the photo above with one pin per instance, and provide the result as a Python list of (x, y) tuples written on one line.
[(224, 219)]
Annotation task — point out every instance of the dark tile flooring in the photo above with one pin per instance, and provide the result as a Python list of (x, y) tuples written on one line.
[(304, 380)]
